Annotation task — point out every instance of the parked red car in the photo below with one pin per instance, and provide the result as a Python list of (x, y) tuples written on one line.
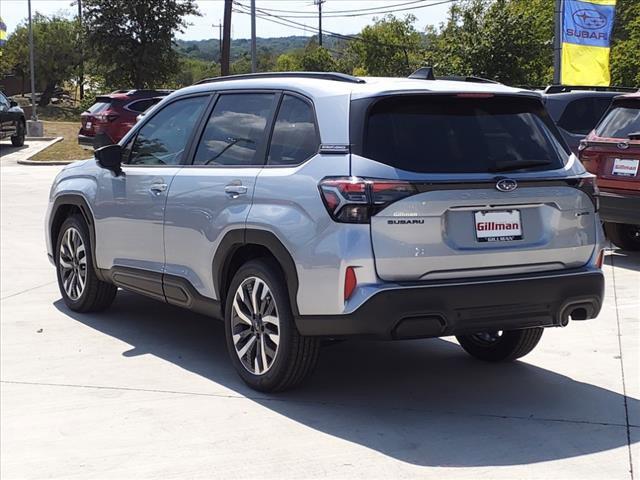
[(612, 152), (113, 115)]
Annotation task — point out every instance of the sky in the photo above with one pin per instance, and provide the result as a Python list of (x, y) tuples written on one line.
[(14, 11)]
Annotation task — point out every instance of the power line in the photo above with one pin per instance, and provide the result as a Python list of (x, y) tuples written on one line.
[(301, 26), (346, 11), (364, 14)]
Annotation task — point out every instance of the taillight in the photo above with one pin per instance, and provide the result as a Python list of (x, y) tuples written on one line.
[(355, 200), (588, 185), (107, 117)]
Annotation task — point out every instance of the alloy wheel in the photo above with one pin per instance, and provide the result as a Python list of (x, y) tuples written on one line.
[(487, 338), (255, 326), (72, 262)]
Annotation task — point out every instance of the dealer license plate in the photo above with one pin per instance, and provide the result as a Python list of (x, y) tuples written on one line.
[(498, 225), (625, 167)]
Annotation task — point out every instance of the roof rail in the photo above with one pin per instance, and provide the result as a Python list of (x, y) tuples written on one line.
[(463, 78), (337, 77), (569, 88)]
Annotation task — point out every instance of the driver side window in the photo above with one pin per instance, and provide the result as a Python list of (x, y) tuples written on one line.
[(163, 139)]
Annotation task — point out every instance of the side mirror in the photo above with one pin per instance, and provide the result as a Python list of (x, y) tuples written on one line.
[(13, 103), (110, 157)]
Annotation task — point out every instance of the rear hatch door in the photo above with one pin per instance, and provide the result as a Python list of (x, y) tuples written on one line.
[(489, 193)]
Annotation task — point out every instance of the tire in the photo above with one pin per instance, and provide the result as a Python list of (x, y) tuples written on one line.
[(508, 346), (294, 357), (18, 139), (624, 236), (93, 295)]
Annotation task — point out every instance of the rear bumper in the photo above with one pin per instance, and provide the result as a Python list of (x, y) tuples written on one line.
[(620, 206), (85, 140), (435, 310)]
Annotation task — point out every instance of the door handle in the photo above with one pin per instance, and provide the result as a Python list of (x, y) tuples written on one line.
[(158, 188), (235, 190)]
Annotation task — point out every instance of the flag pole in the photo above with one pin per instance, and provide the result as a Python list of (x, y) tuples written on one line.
[(557, 43)]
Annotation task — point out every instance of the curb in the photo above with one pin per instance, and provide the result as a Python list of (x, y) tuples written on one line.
[(46, 162), (50, 141)]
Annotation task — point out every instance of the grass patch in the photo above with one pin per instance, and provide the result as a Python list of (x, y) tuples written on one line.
[(68, 148)]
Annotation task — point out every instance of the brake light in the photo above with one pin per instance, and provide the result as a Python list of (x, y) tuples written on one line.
[(355, 200), (350, 282), (107, 117)]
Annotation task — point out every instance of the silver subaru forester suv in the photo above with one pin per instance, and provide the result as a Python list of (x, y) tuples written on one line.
[(303, 206)]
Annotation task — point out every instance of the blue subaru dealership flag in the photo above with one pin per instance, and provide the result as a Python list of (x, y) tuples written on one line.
[(586, 41)]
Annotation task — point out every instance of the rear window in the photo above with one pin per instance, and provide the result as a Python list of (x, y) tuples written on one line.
[(620, 122), (142, 105), (99, 106), (580, 116), (446, 134)]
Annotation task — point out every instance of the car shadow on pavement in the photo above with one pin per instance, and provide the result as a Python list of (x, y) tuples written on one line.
[(624, 259), (7, 148), (424, 402)]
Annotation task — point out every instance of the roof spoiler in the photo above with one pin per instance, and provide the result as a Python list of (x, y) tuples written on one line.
[(427, 73)]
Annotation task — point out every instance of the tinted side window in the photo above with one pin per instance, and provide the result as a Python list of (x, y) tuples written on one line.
[(163, 139), (294, 137), (582, 115), (235, 130), (3, 101), (620, 122)]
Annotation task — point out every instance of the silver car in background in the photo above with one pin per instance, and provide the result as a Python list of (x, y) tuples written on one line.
[(301, 206)]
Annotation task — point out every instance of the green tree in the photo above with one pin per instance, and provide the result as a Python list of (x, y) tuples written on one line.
[(510, 41), (390, 47), (317, 59), (133, 42), (287, 62), (625, 51), (55, 40)]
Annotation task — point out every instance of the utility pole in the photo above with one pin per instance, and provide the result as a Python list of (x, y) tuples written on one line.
[(254, 59), (319, 4), (557, 43), (80, 42), (34, 116), (226, 39), (219, 27)]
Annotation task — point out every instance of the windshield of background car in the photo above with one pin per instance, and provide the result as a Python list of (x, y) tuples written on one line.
[(456, 134), (622, 119)]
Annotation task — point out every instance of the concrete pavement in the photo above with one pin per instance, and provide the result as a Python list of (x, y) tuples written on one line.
[(10, 155), (145, 390)]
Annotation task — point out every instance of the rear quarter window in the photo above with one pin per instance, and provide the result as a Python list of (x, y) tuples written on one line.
[(449, 134)]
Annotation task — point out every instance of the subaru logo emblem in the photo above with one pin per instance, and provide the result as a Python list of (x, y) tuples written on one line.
[(506, 185), (589, 18), (623, 145)]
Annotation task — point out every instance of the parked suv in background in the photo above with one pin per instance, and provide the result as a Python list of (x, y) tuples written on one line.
[(12, 121), (113, 115), (612, 152), (307, 205), (577, 110)]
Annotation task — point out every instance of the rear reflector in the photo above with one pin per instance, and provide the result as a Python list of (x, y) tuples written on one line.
[(350, 282), (600, 259)]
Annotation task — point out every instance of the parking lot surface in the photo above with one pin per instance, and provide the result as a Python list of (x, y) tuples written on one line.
[(145, 390)]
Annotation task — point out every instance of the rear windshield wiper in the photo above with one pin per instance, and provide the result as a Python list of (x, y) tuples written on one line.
[(508, 166)]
